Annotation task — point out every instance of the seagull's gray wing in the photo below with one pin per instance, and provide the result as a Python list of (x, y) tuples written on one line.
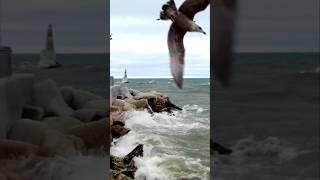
[(191, 7), (224, 16), (176, 51)]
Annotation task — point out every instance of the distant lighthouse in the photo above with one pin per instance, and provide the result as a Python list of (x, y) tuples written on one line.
[(48, 57), (125, 77)]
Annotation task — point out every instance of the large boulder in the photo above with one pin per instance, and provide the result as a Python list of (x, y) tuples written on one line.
[(27, 130), (118, 129), (32, 112), (99, 105), (119, 92), (89, 114), (94, 134), (124, 167), (77, 98), (62, 124), (123, 105), (117, 116), (115, 109), (138, 104), (10, 149), (62, 144), (47, 96), (15, 91)]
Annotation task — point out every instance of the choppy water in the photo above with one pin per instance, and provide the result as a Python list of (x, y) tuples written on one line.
[(269, 117), (175, 146)]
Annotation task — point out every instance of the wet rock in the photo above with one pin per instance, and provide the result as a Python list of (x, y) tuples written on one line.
[(219, 148), (117, 175), (138, 104), (161, 103), (10, 149), (134, 92), (62, 124), (77, 98), (119, 91), (125, 165), (32, 112), (27, 130), (120, 116), (99, 105), (47, 96), (15, 91), (118, 129), (115, 109), (89, 114), (67, 94), (94, 134), (123, 105), (136, 152), (62, 144)]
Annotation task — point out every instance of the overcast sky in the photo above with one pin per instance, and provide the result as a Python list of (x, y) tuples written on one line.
[(80, 26), (140, 41)]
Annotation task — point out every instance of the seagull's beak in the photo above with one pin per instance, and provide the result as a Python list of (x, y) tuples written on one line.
[(204, 32)]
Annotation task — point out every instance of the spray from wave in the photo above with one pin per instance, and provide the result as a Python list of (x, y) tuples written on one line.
[(172, 146)]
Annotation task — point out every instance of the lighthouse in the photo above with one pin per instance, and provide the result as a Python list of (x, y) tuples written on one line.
[(48, 57)]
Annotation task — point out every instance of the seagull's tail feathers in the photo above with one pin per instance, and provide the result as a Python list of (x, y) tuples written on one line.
[(169, 10)]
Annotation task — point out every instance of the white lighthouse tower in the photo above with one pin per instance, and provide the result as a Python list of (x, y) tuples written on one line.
[(48, 57)]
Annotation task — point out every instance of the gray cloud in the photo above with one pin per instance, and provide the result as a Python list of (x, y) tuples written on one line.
[(79, 26), (273, 25)]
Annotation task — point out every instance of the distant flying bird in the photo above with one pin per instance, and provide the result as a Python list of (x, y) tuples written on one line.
[(182, 22)]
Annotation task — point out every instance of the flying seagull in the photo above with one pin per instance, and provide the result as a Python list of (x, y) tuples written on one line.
[(182, 22), (224, 17), (224, 20)]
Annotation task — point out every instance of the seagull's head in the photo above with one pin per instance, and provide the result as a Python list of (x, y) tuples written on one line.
[(199, 29)]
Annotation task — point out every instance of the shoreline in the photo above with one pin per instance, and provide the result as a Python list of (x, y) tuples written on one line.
[(45, 127), (125, 100)]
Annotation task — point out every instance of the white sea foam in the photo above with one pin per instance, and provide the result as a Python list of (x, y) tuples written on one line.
[(271, 147), (60, 168), (163, 156), (256, 152), (89, 167)]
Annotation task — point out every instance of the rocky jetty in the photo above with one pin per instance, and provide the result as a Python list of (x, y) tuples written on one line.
[(40, 121), (122, 100)]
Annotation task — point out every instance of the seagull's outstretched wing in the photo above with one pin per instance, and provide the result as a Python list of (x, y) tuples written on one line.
[(224, 16), (191, 7), (176, 51)]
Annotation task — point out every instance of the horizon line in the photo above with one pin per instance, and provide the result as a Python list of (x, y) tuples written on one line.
[(242, 52), (116, 78)]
